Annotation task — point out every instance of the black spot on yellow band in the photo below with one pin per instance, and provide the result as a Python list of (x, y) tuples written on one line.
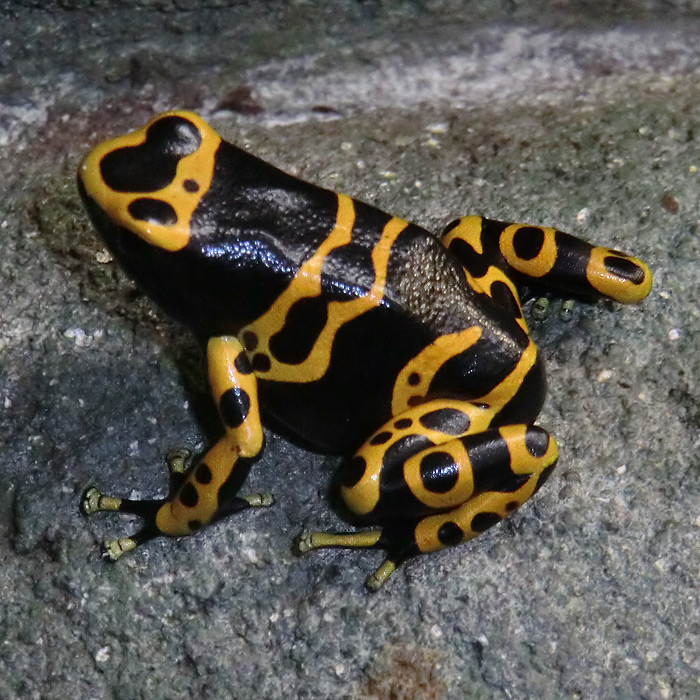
[(624, 269), (353, 471), (189, 496), (261, 362), (438, 472), (380, 438), (241, 364), (446, 420), (450, 534), (528, 242), (250, 340), (536, 441), (234, 405), (483, 521), (203, 474)]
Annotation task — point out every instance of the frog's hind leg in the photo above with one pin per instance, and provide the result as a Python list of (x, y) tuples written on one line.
[(436, 476), (546, 257), (207, 490)]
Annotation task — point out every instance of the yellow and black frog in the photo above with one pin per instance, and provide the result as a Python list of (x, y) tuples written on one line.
[(360, 333)]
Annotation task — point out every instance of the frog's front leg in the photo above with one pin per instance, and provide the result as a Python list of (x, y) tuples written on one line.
[(205, 492), (436, 476)]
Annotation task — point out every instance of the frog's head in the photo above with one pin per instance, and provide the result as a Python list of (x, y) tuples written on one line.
[(143, 192), (149, 182)]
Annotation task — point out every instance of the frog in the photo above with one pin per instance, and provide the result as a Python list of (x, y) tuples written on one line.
[(358, 333)]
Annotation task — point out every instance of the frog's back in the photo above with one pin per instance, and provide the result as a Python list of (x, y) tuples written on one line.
[(368, 301), (333, 399)]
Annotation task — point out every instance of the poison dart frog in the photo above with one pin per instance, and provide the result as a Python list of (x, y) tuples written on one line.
[(361, 333)]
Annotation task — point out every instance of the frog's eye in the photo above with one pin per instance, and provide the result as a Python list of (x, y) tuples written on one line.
[(151, 181)]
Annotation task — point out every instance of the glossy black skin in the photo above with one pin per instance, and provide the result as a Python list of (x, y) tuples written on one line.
[(251, 232)]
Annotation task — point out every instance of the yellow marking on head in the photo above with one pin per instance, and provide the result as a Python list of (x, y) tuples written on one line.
[(612, 285), (307, 283), (468, 230), (197, 166), (414, 379), (538, 266)]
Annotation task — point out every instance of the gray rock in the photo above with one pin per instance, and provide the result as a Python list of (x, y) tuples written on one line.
[(584, 119)]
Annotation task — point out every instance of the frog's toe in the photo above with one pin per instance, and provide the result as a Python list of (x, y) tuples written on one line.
[(111, 550), (540, 308), (566, 313), (89, 501), (260, 500), (93, 501), (307, 541), (377, 579), (304, 543), (178, 460)]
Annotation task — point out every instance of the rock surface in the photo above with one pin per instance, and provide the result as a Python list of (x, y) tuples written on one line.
[(585, 119)]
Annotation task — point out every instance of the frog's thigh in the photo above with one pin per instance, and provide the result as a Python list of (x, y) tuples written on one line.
[(500, 484), (446, 476), (548, 257), (374, 479), (442, 495), (208, 490), (479, 513)]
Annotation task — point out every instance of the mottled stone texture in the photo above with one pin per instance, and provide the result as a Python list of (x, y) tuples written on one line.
[(581, 117)]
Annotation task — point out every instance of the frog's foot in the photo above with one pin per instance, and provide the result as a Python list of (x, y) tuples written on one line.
[(198, 496), (308, 541), (541, 308), (94, 501), (259, 500), (111, 550)]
